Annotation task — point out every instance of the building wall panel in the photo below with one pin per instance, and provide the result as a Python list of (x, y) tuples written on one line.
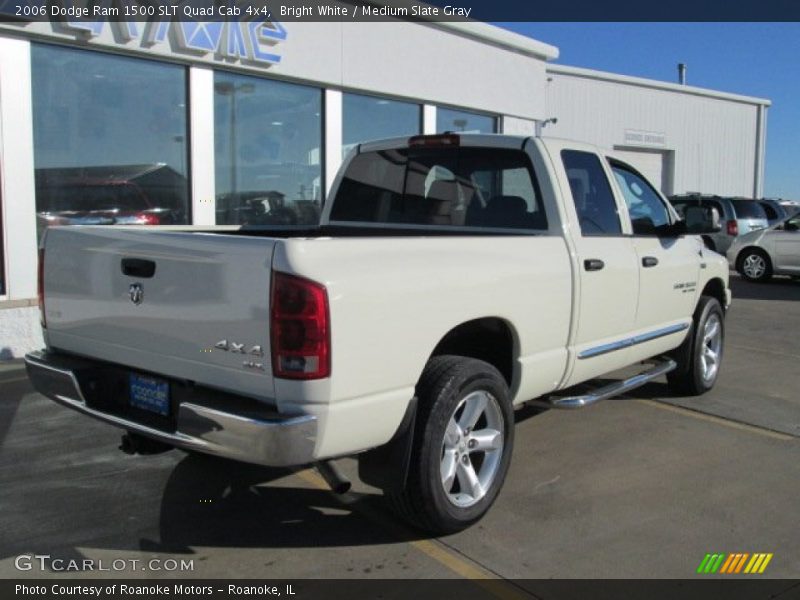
[(714, 139)]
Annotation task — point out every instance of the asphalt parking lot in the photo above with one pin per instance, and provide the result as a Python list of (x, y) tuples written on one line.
[(641, 487)]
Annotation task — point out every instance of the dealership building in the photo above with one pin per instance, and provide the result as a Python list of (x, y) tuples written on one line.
[(225, 123)]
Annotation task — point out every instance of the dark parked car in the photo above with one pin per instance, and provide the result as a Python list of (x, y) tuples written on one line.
[(99, 202), (135, 194), (265, 208)]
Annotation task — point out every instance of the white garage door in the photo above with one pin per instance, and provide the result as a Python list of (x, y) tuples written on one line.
[(651, 164)]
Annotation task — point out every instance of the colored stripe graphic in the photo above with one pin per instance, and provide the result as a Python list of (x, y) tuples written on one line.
[(713, 566), (741, 563), (765, 563), (702, 567), (726, 565), (755, 562), (734, 563)]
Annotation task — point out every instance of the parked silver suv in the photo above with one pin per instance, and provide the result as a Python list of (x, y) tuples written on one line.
[(737, 215), (759, 255)]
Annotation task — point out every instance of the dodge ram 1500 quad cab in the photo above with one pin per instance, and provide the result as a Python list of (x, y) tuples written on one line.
[(451, 279)]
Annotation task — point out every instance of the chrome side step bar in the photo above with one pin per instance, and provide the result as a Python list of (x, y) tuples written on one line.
[(608, 391)]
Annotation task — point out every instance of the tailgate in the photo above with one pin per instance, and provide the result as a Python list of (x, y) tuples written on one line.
[(192, 306)]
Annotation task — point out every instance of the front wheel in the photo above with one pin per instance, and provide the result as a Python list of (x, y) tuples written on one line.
[(754, 265), (462, 445), (700, 356)]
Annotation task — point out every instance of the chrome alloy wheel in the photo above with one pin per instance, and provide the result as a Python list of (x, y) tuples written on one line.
[(711, 352), (754, 266), (472, 449)]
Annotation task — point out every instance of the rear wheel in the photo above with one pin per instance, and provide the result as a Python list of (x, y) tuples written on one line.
[(754, 265), (462, 445), (700, 356)]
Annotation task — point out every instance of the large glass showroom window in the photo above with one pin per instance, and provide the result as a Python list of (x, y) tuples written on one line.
[(268, 136), (448, 119), (110, 140), (370, 118)]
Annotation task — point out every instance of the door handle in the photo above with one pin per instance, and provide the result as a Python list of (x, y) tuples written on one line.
[(649, 261), (138, 267), (593, 264)]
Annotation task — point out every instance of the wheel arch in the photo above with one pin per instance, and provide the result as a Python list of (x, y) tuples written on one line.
[(490, 339), (716, 289)]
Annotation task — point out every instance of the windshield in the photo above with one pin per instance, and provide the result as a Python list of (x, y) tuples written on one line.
[(442, 187)]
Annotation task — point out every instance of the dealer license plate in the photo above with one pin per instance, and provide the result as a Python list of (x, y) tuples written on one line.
[(149, 394)]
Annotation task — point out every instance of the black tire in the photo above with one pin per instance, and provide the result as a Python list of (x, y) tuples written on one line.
[(690, 377), (755, 255), (445, 385)]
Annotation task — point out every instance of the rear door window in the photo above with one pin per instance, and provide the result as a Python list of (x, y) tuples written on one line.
[(748, 209), (454, 187), (591, 193), (771, 213)]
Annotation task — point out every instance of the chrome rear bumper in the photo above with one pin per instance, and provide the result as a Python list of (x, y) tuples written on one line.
[(272, 441)]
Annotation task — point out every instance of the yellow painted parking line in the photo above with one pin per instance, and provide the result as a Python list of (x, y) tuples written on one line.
[(775, 435), (437, 551), (450, 560)]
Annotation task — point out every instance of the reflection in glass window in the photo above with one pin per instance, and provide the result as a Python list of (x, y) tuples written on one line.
[(448, 119), (267, 147), (368, 118), (110, 141)]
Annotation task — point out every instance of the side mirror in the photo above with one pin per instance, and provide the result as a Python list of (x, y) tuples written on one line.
[(702, 219), (790, 226)]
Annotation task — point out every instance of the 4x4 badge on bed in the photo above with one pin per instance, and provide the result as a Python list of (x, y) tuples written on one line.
[(238, 348), (136, 292)]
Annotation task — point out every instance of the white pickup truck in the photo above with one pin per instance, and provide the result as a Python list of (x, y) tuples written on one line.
[(451, 279)]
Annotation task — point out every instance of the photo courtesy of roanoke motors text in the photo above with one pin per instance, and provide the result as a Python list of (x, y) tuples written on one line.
[(391, 299)]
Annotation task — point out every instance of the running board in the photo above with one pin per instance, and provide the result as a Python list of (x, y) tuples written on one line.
[(608, 391)]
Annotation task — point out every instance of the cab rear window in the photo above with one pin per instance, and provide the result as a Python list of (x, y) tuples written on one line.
[(451, 187)]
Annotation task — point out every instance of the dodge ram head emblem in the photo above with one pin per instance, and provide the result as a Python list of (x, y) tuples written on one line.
[(136, 292)]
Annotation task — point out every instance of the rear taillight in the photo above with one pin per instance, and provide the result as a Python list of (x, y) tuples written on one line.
[(148, 219), (300, 329), (733, 228), (40, 286)]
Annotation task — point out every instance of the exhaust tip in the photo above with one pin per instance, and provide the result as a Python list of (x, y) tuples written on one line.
[(127, 445), (338, 483)]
